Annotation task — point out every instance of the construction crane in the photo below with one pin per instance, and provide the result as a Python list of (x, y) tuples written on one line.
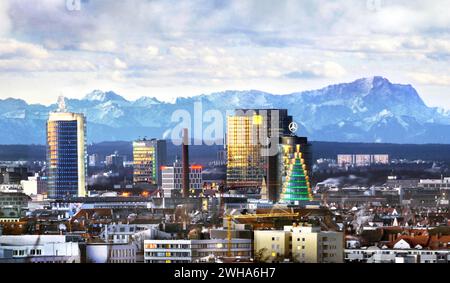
[(230, 218)]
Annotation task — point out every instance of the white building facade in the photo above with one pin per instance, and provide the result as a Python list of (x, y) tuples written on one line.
[(189, 251), (110, 253), (377, 255), (38, 249), (443, 183), (303, 244), (172, 179)]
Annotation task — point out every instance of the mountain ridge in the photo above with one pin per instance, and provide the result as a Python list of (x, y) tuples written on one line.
[(366, 110)]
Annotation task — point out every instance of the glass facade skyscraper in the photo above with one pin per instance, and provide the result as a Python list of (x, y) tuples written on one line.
[(243, 153), (66, 154), (248, 142), (148, 158)]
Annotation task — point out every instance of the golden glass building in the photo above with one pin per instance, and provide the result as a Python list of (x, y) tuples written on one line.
[(66, 154), (148, 158), (248, 132), (244, 161)]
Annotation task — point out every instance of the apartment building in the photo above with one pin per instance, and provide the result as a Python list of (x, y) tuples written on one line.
[(38, 249), (302, 243), (189, 251), (377, 255)]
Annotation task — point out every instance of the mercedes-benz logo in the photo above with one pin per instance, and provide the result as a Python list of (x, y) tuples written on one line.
[(293, 127)]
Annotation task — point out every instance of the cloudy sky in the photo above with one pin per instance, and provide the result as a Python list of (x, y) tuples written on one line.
[(177, 48)]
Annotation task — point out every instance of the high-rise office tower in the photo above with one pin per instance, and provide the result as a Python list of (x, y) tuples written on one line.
[(66, 153), (148, 158), (248, 142), (172, 180)]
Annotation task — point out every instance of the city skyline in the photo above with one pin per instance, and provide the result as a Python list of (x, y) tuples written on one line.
[(208, 46), (226, 132)]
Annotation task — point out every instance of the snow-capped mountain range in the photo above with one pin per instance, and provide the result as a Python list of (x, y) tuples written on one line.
[(366, 110)]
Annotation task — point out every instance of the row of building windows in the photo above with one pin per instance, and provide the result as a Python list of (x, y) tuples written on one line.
[(122, 253), (32, 252), (11, 198), (13, 203), (167, 246), (198, 246), (167, 261), (167, 254), (370, 253)]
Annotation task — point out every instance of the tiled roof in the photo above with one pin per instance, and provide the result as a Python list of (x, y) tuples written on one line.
[(413, 241), (437, 242)]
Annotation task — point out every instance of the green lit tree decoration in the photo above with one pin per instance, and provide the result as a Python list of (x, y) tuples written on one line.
[(296, 186)]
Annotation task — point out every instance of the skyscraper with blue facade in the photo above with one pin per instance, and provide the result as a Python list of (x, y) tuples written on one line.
[(66, 154)]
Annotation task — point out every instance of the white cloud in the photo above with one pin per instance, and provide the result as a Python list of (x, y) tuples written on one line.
[(430, 79), (99, 46), (10, 48), (5, 23), (119, 64), (318, 70), (152, 51), (211, 59), (36, 65), (224, 44), (182, 53), (118, 76)]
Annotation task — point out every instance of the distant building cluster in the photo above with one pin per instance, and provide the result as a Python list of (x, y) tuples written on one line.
[(362, 160), (115, 160)]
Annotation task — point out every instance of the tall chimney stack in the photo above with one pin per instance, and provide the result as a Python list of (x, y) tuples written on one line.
[(185, 161)]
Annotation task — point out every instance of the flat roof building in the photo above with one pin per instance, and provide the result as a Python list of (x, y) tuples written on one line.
[(303, 243), (38, 249), (396, 255), (443, 183), (190, 251)]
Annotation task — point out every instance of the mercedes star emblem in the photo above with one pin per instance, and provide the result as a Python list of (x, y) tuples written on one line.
[(293, 127)]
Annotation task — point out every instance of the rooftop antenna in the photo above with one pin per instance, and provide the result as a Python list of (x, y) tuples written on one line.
[(62, 104)]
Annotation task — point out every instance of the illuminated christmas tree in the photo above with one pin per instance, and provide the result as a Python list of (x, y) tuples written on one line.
[(296, 186)]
